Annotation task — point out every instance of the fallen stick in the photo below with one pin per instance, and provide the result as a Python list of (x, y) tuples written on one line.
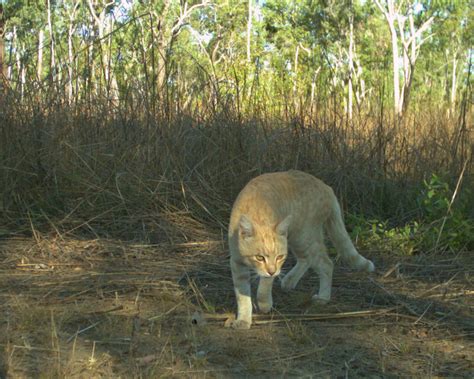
[(276, 318)]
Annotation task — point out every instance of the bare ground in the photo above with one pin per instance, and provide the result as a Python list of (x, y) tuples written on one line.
[(105, 308)]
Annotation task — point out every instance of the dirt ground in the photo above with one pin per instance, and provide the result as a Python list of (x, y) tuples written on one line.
[(105, 308)]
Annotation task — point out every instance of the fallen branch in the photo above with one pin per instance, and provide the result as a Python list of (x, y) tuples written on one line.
[(276, 318)]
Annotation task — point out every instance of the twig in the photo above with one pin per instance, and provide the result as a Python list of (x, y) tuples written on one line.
[(268, 319), (82, 331), (164, 314), (439, 285), (423, 314), (405, 305), (319, 317), (29, 348), (454, 294), (117, 308), (458, 184), (390, 270)]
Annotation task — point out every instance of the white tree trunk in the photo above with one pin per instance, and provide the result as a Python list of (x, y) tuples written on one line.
[(295, 72), (396, 72), (70, 65), (52, 48), (452, 97), (19, 68), (313, 88), (390, 14), (10, 56), (22, 80), (351, 67), (39, 66), (410, 41), (100, 23), (249, 32), (2, 50)]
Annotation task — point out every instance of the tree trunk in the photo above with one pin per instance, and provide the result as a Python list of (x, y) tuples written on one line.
[(39, 67), (10, 56), (295, 78), (3, 66), (351, 67), (100, 24), (249, 32), (70, 60), (313, 90), (22, 78), (396, 69), (70, 64), (452, 97), (411, 41), (51, 37), (90, 80), (19, 68)]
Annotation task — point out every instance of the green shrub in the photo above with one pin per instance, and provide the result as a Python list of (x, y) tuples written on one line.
[(442, 225)]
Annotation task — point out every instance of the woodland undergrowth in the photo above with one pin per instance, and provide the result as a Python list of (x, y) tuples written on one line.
[(113, 170)]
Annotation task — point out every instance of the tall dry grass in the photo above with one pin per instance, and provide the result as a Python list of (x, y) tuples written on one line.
[(119, 169)]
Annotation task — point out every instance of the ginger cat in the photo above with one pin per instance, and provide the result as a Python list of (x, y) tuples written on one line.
[(278, 212)]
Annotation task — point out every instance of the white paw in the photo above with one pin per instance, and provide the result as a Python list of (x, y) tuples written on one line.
[(288, 283), (370, 266), (319, 299), (265, 306), (240, 324), (231, 322)]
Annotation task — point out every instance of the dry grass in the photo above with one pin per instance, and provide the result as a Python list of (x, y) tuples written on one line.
[(77, 171), (105, 308)]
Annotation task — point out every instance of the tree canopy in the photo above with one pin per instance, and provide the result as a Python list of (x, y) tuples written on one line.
[(202, 55)]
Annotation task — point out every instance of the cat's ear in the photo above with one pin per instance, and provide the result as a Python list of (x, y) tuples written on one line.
[(245, 227), (282, 227)]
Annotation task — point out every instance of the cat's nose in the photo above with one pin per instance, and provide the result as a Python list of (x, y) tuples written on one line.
[(271, 271)]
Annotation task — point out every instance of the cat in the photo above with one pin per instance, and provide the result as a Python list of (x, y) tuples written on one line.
[(283, 211)]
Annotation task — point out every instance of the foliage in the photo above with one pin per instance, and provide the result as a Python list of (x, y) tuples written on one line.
[(442, 225), (449, 225), (159, 48)]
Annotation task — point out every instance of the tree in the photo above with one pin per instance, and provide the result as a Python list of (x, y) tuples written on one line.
[(71, 13), (294, 58), (410, 38), (249, 31), (3, 66)]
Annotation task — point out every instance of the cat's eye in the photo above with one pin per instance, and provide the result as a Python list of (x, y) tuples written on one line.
[(260, 258), (280, 257)]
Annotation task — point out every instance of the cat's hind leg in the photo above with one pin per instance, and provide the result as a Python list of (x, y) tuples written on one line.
[(291, 279), (264, 294), (323, 266)]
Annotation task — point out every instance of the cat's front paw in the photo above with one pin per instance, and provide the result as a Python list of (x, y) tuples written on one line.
[(370, 267), (265, 307), (231, 322), (288, 283), (240, 324), (320, 299)]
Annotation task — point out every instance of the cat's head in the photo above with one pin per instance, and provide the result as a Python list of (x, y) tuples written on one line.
[(264, 246)]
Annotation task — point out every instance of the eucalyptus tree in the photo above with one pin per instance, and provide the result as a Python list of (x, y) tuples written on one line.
[(288, 37), (453, 44), (2, 48), (407, 23), (24, 25), (327, 34)]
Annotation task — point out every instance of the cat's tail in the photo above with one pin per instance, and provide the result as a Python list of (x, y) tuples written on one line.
[(342, 242)]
